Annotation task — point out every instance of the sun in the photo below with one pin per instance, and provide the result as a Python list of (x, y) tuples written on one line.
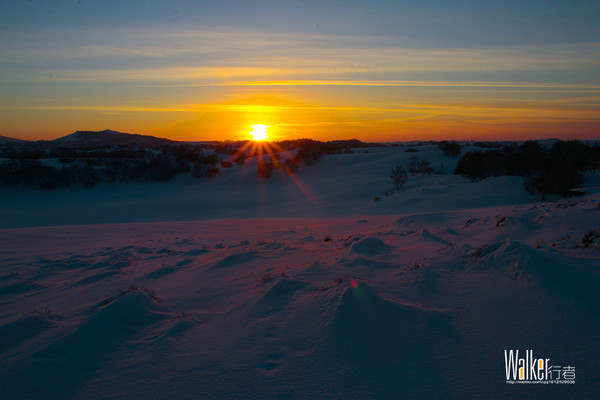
[(259, 132)]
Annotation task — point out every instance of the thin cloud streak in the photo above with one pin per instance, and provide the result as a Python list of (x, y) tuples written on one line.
[(463, 110), (512, 85), (198, 64)]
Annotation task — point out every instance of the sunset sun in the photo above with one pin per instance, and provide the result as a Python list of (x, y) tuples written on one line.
[(259, 132)]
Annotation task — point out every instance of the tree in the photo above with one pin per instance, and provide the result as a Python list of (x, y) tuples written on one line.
[(531, 157), (413, 165), (451, 149), (552, 181), (398, 176), (419, 166), (240, 159)]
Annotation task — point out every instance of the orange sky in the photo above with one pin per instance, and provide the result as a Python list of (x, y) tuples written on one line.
[(204, 74)]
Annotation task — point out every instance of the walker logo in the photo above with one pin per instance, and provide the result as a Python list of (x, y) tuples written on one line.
[(530, 370)]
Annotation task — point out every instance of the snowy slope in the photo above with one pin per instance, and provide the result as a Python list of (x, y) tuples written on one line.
[(256, 295), (401, 306), (338, 185)]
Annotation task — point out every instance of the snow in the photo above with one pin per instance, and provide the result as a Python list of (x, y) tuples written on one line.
[(239, 288), (338, 185)]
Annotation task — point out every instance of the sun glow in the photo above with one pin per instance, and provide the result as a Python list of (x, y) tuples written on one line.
[(259, 132)]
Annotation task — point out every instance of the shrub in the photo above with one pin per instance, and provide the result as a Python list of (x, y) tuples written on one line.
[(590, 237), (530, 156), (240, 159), (212, 172), (451, 149), (160, 168), (311, 152), (546, 171), (398, 176), (480, 165), (552, 181), (413, 266), (419, 166), (32, 173)]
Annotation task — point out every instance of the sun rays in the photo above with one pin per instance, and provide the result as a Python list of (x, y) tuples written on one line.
[(268, 158)]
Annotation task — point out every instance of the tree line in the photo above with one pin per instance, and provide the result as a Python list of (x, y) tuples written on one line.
[(546, 170)]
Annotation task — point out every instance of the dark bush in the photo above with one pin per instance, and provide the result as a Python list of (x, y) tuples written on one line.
[(32, 173), (212, 172), (451, 149), (159, 168), (240, 158), (311, 151), (419, 166), (398, 176), (546, 171), (552, 181)]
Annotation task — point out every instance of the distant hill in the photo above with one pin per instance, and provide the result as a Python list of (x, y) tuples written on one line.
[(109, 138), (5, 139)]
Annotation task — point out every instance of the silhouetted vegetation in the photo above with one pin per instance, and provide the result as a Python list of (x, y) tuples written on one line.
[(32, 172), (240, 158), (590, 237), (398, 176), (555, 170), (489, 145), (310, 151), (451, 149), (419, 166), (64, 166), (86, 158)]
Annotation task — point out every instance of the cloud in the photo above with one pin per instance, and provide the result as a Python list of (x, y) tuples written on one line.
[(220, 57)]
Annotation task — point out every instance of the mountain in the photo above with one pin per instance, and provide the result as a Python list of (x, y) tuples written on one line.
[(5, 139), (110, 138)]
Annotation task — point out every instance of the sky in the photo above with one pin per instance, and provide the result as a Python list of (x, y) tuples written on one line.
[(372, 70)]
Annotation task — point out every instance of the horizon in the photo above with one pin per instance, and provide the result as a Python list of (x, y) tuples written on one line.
[(268, 139), (386, 71)]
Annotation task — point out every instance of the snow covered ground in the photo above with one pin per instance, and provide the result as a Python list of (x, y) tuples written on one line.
[(338, 185), (280, 289)]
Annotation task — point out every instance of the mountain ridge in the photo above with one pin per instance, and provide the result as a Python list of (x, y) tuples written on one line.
[(108, 137), (6, 139)]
